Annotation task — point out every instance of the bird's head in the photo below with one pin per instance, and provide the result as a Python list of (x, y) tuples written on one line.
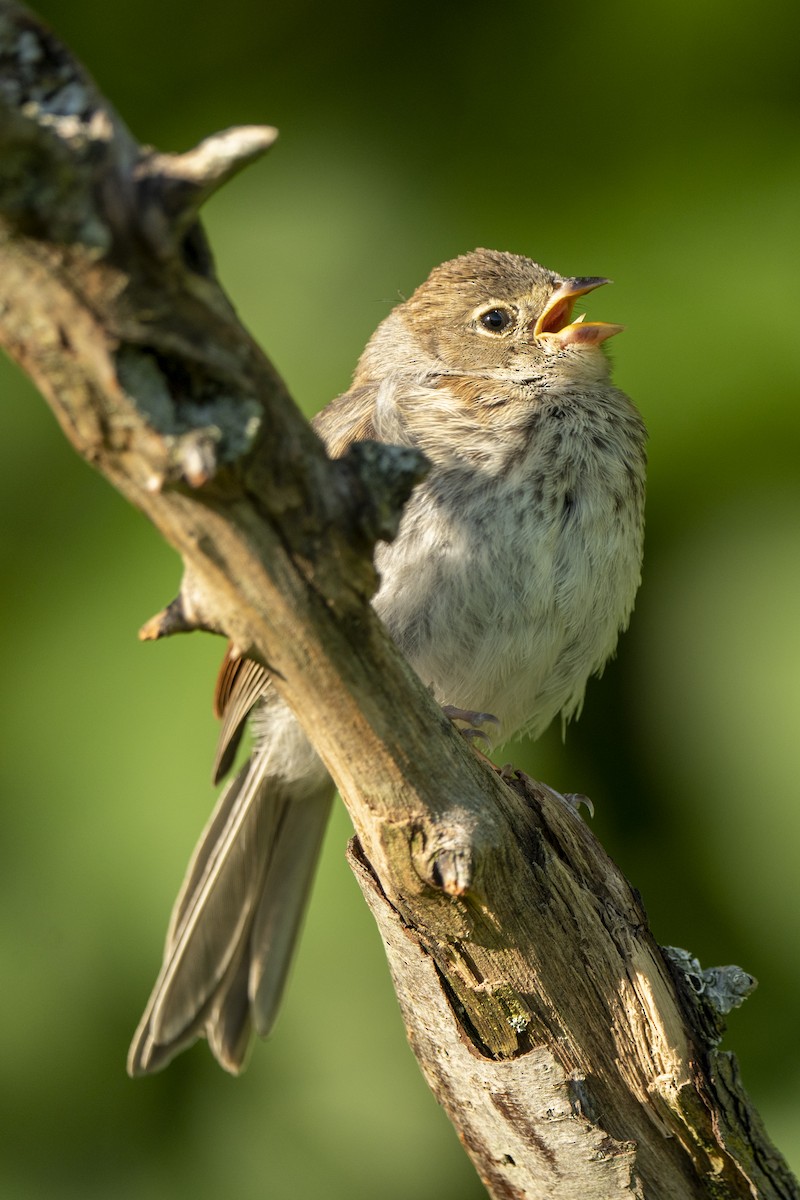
[(489, 311)]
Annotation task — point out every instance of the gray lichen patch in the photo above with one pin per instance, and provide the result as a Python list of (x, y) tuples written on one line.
[(202, 426), (35, 73), (56, 135)]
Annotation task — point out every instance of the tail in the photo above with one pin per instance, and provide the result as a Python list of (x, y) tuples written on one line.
[(235, 923)]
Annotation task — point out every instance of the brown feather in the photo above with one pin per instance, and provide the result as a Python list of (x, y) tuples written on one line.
[(347, 419), (241, 682)]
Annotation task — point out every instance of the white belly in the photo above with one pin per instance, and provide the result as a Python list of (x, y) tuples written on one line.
[(507, 593)]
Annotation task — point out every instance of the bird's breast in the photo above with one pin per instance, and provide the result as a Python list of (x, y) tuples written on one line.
[(506, 588)]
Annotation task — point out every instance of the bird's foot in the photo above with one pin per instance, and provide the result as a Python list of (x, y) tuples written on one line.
[(577, 800), (472, 722), (574, 800)]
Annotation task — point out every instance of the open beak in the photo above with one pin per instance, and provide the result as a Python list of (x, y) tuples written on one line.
[(555, 328)]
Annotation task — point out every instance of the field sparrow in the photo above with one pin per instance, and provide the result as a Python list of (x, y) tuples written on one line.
[(515, 568)]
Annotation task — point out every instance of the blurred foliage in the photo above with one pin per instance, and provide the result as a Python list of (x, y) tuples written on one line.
[(657, 145)]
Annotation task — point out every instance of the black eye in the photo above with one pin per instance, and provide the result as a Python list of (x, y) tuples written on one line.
[(496, 320)]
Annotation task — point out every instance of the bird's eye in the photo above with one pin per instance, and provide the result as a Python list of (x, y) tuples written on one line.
[(495, 320)]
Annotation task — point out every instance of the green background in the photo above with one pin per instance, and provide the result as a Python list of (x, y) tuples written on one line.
[(658, 145)]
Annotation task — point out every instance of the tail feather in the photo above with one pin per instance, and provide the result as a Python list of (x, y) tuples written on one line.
[(222, 819), (229, 1025), (234, 925), (280, 911)]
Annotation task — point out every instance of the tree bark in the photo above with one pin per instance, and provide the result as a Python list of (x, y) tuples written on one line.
[(574, 1056)]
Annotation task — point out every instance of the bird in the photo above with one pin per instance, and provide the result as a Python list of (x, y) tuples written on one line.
[(514, 570)]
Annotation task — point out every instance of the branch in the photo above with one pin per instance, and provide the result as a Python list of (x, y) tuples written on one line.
[(573, 1056)]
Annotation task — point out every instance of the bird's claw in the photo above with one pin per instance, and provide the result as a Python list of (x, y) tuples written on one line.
[(474, 719), (576, 800), (472, 735), (472, 722)]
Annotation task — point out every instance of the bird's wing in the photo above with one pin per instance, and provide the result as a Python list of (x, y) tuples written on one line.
[(240, 684), (347, 419), (241, 681)]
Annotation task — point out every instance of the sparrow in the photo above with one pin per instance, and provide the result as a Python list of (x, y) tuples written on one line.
[(514, 570)]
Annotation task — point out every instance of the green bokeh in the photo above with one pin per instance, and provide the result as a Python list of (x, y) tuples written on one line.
[(659, 146)]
